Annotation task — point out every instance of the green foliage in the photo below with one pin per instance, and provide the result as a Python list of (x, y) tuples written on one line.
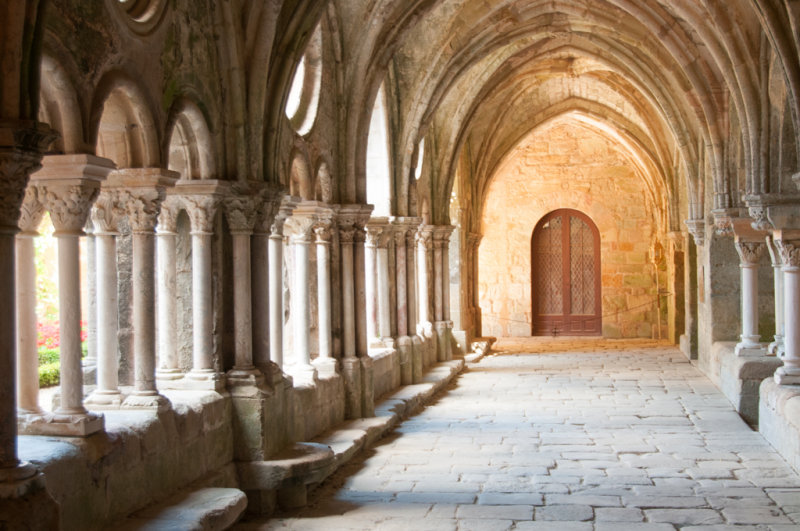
[(48, 355), (49, 374)]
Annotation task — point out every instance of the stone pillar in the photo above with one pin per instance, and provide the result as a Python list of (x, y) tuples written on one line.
[(384, 297), (105, 214), (68, 185), (201, 205), (473, 245), (259, 271), (405, 345), (89, 276), (301, 226), (241, 212), (371, 281), (142, 190), (424, 246), (21, 487), (168, 374), (788, 243), (31, 216), (441, 273), (776, 348), (326, 363), (750, 253), (276, 282)]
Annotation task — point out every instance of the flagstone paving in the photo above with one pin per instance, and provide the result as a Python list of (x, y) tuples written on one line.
[(565, 435)]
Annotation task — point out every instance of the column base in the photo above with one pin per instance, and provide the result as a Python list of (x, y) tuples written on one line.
[(747, 349), (245, 377), (153, 402), (442, 340), (105, 400), (169, 378), (24, 500), (326, 367), (61, 425), (787, 376), (776, 347), (303, 375), (204, 380), (405, 350), (367, 388), (417, 359)]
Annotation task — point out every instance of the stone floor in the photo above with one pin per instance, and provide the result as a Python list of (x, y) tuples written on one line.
[(565, 435)]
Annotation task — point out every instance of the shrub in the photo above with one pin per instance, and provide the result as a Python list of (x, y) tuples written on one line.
[(49, 374), (48, 355)]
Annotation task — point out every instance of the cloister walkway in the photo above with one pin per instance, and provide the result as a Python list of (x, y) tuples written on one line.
[(565, 435)]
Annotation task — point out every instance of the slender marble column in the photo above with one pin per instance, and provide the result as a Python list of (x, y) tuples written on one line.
[(241, 212), (301, 369), (31, 216), (323, 234), (384, 297), (789, 374), (370, 282), (411, 281), (68, 185), (438, 301), (401, 272), (750, 254), (776, 347), (168, 372), (424, 240), (21, 146), (346, 236), (259, 271), (276, 284), (142, 198), (104, 216)]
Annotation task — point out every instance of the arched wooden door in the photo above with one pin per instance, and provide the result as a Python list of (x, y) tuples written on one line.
[(565, 275)]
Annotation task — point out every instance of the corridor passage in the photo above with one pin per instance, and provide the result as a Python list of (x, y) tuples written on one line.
[(565, 435)]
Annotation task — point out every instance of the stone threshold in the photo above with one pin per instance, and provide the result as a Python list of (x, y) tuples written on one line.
[(740, 378)]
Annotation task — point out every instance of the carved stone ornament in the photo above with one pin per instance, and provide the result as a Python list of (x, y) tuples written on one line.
[(301, 228), (69, 205), (723, 223), (265, 215), (790, 253), (323, 232), (201, 210), (168, 215), (760, 220), (31, 212), (796, 180), (241, 213), (425, 236), (750, 253), (697, 228), (375, 235), (347, 234), (142, 206), (400, 234), (106, 212)]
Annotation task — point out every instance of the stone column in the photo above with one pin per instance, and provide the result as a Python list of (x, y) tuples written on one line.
[(473, 245), (776, 348), (326, 364), (424, 245), (68, 185), (31, 216), (89, 276), (362, 216), (384, 296), (788, 243), (750, 253), (259, 271), (301, 226), (241, 212), (168, 374), (371, 281), (202, 208), (142, 190), (276, 282), (442, 324), (21, 146), (104, 216)]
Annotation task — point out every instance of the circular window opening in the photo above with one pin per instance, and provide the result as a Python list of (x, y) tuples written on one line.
[(142, 16), (303, 99)]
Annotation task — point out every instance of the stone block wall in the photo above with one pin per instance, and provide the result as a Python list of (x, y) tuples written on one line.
[(573, 167)]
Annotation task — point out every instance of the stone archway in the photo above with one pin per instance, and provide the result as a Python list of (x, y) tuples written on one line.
[(565, 275)]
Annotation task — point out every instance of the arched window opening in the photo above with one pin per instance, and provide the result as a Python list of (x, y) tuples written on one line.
[(420, 159), (378, 159), (303, 99), (190, 150)]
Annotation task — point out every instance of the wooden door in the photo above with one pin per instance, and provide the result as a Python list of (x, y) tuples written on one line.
[(565, 275)]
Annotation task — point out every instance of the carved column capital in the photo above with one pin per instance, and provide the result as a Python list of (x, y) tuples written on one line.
[(425, 236), (301, 228), (21, 146), (31, 212), (142, 206), (168, 216), (323, 231), (790, 253), (241, 212), (697, 228), (283, 212), (201, 210), (379, 232), (265, 213), (750, 252), (106, 212), (723, 221)]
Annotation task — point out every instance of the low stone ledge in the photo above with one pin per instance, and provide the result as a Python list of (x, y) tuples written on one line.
[(481, 346), (740, 378), (779, 419), (211, 509)]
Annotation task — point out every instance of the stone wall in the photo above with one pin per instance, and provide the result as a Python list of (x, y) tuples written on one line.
[(568, 166)]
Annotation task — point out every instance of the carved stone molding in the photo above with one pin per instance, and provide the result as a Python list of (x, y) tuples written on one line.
[(142, 206), (697, 228), (241, 212), (106, 212), (323, 231), (760, 220), (774, 252), (268, 206), (168, 215), (474, 240), (31, 212), (301, 228), (750, 253), (425, 236), (790, 253), (69, 205), (723, 222), (201, 210), (282, 213)]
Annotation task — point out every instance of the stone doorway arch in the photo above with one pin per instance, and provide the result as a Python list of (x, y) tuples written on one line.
[(565, 275)]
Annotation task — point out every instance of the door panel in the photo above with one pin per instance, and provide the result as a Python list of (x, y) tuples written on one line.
[(565, 267)]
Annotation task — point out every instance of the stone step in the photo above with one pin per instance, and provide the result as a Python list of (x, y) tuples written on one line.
[(209, 509)]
